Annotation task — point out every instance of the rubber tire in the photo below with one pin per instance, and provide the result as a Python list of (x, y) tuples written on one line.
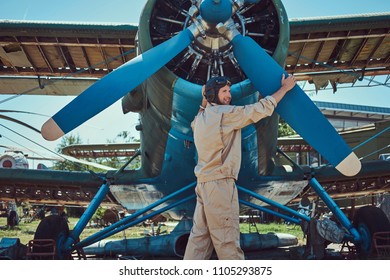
[(54, 227), (368, 220)]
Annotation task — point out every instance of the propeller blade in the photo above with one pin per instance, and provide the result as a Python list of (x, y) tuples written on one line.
[(296, 108), (113, 86)]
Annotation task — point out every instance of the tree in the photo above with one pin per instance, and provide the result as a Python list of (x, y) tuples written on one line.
[(127, 137), (67, 164), (114, 162)]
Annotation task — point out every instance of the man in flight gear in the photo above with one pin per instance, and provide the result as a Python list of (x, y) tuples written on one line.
[(217, 136)]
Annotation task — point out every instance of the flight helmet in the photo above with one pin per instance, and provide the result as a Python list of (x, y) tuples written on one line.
[(213, 86)]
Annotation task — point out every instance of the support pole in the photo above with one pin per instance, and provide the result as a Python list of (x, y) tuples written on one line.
[(110, 230), (269, 211), (88, 242), (335, 209), (275, 204), (371, 138), (87, 215)]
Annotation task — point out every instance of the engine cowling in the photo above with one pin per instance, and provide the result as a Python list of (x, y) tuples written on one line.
[(212, 54)]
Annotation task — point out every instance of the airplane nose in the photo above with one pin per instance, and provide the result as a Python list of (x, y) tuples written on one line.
[(216, 11)]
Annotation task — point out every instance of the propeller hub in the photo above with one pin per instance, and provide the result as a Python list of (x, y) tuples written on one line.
[(216, 11), (211, 53)]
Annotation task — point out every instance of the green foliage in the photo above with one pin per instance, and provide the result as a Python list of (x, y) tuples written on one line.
[(285, 130), (273, 227), (25, 231), (99, 213), (126, 136)]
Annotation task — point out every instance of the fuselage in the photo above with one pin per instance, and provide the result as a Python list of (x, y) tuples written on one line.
[(170, 100)]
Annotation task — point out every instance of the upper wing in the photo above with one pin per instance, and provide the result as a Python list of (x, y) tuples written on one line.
[(318, 48), (339, 49)]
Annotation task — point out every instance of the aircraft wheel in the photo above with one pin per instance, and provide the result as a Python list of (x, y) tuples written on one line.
[(53, 227), (368, 220)]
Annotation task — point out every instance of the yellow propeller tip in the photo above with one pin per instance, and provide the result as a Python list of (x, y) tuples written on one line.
[(350, 166), (51, 131)]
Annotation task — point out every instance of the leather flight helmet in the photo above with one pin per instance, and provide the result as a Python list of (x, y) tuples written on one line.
[(213, 86)]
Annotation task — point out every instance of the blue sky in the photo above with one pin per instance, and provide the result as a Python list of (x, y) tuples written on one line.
[(129, 10), (107, 124)]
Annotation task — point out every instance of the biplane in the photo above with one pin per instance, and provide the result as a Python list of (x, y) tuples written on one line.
[(158, 70)]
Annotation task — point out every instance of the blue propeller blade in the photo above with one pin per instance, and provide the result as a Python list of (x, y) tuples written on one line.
[(296, 108), (113, 86)]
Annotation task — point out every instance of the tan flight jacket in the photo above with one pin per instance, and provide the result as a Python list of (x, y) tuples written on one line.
[(217, 136)]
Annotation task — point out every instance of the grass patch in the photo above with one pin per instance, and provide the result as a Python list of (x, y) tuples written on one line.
[(274, 228), (25, 231)]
